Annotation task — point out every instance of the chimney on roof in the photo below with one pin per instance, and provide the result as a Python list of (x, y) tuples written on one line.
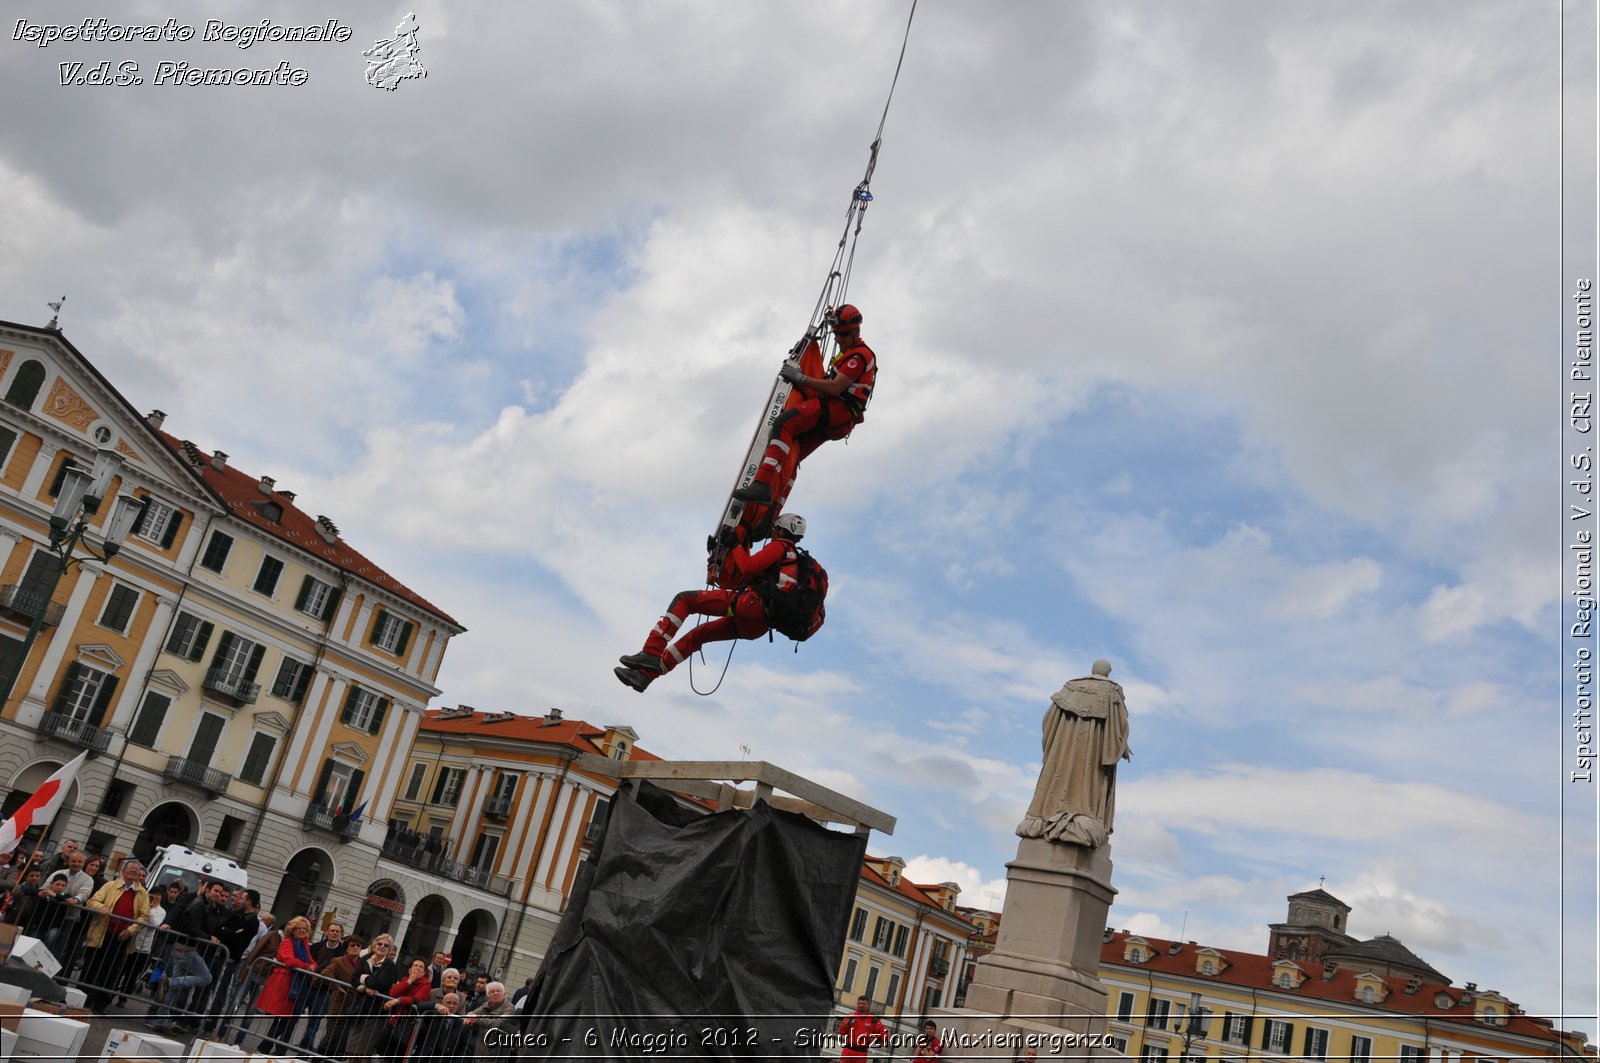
[(192, 453), (155, 419), (1413, 984), (1329, 969), (219, 460), (266, 485), (288, 495), (1109, 934), (551, 718), (1174, 948), (327, 529)]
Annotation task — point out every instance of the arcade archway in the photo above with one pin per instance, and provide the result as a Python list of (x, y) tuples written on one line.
[(304, 886), (169, 823)]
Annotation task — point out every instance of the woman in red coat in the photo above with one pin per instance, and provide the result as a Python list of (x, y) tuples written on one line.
[(405, 997), (286, 987)]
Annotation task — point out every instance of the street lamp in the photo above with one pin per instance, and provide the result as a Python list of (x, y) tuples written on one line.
[(78, 500)]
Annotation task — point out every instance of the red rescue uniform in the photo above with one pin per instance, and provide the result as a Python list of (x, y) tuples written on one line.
[(821, 418), (739, 613)]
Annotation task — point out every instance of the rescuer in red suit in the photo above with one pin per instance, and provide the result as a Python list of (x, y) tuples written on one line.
[(836, 404), (861, 1030), (740, 613)]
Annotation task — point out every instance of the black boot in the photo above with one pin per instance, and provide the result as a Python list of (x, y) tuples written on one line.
[(633, 678), (643, 662), (755, 491)]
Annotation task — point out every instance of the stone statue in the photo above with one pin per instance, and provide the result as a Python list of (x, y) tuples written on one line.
[(1085, 734)]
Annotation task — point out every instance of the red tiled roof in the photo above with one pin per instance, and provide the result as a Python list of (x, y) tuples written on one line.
[(564, 732), (1254, 971), (906, 888), (242, 493)]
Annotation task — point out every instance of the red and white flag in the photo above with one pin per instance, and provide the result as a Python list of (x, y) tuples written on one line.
[(42, 806)]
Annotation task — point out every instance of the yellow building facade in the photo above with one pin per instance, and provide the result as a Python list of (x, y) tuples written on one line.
[(1318, 994), (243, 675)]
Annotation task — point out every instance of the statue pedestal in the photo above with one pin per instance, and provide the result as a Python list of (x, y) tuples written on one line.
[(1040, 987)]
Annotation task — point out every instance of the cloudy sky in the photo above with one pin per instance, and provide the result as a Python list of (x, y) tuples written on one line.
[(1216, 340)]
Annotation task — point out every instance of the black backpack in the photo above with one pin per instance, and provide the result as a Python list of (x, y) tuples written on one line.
[(797, 613)]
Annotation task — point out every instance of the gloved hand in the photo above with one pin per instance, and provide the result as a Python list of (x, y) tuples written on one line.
[(730, 537), (791, 373)]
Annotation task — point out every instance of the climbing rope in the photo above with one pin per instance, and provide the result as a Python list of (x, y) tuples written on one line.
[(844, 256)]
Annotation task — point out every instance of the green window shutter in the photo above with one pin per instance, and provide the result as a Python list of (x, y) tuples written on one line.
[(180, 630), (377, 716), (377, 626), (223, 645), (171, 534), (331, 606), (320, 794), (405, 638), (255, 663), (305, 592), (107, 687), (301, 683), (352, 790), (201, 639), (74, 670), (349, 706), (151, 716)]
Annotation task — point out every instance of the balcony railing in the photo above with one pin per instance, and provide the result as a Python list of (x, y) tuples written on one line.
[(413, 853), (25, 602), (321, 817), (75, 731), (499, 807), (197, 774), (222, 681)]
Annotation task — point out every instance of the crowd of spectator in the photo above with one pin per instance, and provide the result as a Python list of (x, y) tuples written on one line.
[(211, 963)]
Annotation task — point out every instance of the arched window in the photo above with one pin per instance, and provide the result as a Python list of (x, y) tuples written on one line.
[(26, 384)]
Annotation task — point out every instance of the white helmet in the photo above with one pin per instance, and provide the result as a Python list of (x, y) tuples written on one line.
[(791, 524)]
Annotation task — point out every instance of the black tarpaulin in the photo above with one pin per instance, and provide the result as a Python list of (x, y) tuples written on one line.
[(697, 936)]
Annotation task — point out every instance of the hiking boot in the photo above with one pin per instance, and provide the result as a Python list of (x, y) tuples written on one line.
[(756, 491), (633, 678), (644, 662)]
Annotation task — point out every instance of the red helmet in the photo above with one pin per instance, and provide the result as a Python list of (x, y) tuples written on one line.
[(846, 317)]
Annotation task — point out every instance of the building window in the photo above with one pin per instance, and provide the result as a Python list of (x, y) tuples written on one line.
[(293, 679), (8, 439), (256, 760), (1159, 1010), (858, 925), (1360, 1049), (1119, 1043), (871, 990), (26, 384), (229, 832), (158, 523), (152, 714), (882, 931), (1368, 994), (234, 665), (447, 791), (1277, 1037), (1125, 1007), (1236, 1029), (1412, 1053), (190, 636), (85, 694), (894, 987), (484, 851), (119, 608), (363, 710), (267, 576), (216, 556), (1153, 1052), (391, 633), (1316, 1043), (900, 943), (317, 599), (338, 787), (419, 771), (850, 974)]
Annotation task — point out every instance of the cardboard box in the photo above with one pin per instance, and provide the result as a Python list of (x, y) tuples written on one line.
[(17, 994), (8, 1041), (76, 998), (11, 1014), (126, 1045), (32, 952), (50, 1036), (9, 932), (203, 1051)]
